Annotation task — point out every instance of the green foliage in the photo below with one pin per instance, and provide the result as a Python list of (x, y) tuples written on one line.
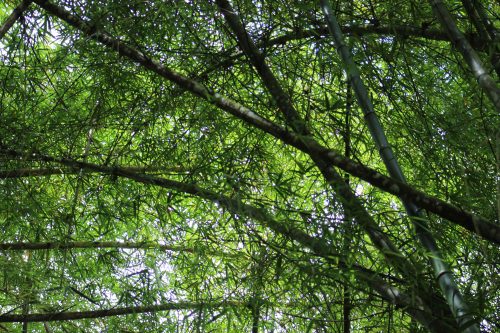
[(65, 95)]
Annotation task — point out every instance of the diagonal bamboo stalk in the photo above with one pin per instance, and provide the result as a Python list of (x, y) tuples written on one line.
[(258, 61), (414, 306), (305, 144), (469, 221), (485, 30), (485, 20), (470, 56), (442, 273), (348, 199), (16, 14)]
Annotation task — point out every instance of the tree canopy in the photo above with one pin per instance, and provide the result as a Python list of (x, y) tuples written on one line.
[(263, 166)]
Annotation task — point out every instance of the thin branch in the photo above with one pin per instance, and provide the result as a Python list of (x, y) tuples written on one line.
[(16, 14), (60, 316), (19, 246), (40, 172), (401, 31)]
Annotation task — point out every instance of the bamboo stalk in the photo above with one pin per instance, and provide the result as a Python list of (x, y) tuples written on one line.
[(442, 273), (470, 56), (14, 16)]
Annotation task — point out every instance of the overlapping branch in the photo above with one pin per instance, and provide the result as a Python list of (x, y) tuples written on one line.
[(470, 221), (391, 294), (14, 16), (347, 198), (324, 157), (414, 306), (318, 246), (471, 58), (398, 31)]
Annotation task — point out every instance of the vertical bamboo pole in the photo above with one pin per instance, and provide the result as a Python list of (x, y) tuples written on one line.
[(442, 273)]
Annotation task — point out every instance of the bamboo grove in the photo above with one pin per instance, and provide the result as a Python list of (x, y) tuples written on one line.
[(260, 166)]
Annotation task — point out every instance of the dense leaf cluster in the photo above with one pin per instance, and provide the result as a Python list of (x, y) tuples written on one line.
[(205, 166)]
